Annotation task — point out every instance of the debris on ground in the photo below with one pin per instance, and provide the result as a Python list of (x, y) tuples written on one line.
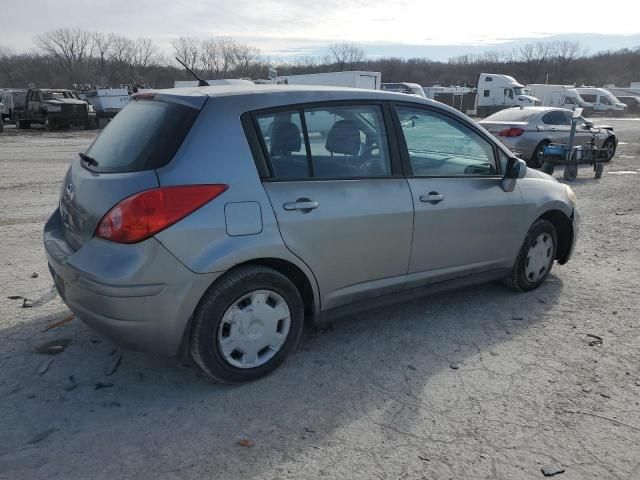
[(45, 366), (34, 275), (53, 347), (411, 367), (454, 366), (245, 442), (42, 435), (424, 459), (551, 470), (72, 386), (596, 340), (26, 303), (113, 366), (101, 385), (66, 319)]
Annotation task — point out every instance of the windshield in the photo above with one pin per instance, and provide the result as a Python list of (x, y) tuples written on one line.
[(518, 90), (57, 95), (145, 135)]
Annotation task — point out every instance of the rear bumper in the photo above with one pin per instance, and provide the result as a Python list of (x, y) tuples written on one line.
[(140, 296)]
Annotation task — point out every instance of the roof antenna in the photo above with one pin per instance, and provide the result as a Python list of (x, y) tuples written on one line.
[(201, 83)]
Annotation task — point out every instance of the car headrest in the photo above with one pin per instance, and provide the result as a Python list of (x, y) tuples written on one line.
[(344, 137), (285, 138)]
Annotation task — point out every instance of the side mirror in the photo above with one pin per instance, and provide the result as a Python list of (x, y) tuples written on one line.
[(516, 169)]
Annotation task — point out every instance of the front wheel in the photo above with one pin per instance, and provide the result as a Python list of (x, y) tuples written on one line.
[(49, 124), (536, 257), (536, 157), (246, 325), (609, 146)]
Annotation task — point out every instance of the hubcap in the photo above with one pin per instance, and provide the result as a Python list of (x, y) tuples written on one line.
[(539, 257), (254, 328)]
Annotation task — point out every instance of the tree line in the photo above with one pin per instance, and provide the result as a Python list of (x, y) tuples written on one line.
[(71, 56)]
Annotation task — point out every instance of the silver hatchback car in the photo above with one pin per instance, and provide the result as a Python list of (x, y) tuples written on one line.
[(214, 220), (527, 130)]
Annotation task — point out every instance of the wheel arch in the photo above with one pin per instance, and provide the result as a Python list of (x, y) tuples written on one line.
[(564, 229)]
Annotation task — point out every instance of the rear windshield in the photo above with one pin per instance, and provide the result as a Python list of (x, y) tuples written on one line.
[(511, 115), (145, 135)]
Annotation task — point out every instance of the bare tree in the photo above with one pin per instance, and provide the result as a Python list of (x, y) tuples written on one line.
[(564, 52), (102, 49), (346, 55), (71, 47), (187, 49)]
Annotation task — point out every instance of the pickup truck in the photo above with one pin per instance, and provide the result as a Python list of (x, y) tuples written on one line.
[(52, 108)]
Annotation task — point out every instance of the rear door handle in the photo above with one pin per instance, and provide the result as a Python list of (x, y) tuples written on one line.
[(432, 198), (302, 204)]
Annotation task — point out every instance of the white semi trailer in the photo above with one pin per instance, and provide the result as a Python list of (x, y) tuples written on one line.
[(354, 78), (497, 91)]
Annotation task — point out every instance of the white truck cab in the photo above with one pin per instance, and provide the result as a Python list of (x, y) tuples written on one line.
[(561, 96), (497, 91), (601, 99)]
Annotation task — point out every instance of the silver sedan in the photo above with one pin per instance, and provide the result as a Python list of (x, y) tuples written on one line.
[(526, 130)]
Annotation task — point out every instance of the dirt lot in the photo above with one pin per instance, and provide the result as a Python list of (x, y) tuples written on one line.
[(478, 383)]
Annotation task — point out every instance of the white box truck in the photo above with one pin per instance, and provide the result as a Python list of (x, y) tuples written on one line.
[(354, 78), (497, 91), (107, 102), (562, 96), (602, 100)]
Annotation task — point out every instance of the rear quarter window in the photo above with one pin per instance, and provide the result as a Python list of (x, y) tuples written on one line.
[(145, 135)]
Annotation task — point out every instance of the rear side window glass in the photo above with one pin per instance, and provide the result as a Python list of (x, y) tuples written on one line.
[(512, 115), (589, 97), (284, 141), (347, 142), (145, 135)]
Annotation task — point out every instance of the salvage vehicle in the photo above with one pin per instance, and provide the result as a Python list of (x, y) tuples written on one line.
[(214, 220), (8, 100), (562, 96), (496, 92), (106, 103), (52, 108), (632, 102), (528, 130)]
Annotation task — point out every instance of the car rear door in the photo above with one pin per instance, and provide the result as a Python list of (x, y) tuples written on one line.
[(340, 200), (465, 223)]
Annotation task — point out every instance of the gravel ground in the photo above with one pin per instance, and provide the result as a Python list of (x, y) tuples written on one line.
[(476, 383)]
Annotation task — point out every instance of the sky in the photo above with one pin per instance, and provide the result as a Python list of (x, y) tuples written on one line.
[(289, 28)]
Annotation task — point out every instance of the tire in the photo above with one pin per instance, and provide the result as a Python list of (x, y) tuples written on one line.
[(536, 157), (23, 124), (609, 145), (218, 312), (599, 168), (520, 278), (49, 125), (548, 168), (570, 172)]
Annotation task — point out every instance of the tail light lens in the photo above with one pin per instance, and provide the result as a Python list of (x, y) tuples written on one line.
[(144, 214), (511, 132)]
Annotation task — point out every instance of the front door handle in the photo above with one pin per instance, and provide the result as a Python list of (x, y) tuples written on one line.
[(432, 198), (302, 204)]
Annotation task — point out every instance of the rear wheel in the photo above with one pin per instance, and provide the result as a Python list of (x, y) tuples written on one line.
[(570, 172), (610, 149), (599, 168), (50, 124), (536, 257), (548, 168), (246, 325), (536, 158), (23, 124)]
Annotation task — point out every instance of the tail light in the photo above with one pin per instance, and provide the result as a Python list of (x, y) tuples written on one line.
[(144, 214), (511, 132)]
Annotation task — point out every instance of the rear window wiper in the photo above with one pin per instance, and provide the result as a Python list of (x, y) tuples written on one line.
[(86, 158)]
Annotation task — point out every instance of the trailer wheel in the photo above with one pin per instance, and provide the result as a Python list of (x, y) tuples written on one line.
[(599, 168), (23, 124), (570, 173), (548, 168)]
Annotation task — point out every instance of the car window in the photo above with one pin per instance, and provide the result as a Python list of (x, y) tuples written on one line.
[(347, 141), (343, 141), (284, 142), (440, 146), (555, 117), (569, 101), (588, 97), (605, 101)]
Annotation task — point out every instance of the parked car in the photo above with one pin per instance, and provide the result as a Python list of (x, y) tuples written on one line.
[(601, 100), (632, 102), (52, 108), (526, 131), (214, 220)]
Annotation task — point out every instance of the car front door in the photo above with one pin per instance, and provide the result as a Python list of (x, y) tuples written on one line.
[(340, 200), (465, 222)]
